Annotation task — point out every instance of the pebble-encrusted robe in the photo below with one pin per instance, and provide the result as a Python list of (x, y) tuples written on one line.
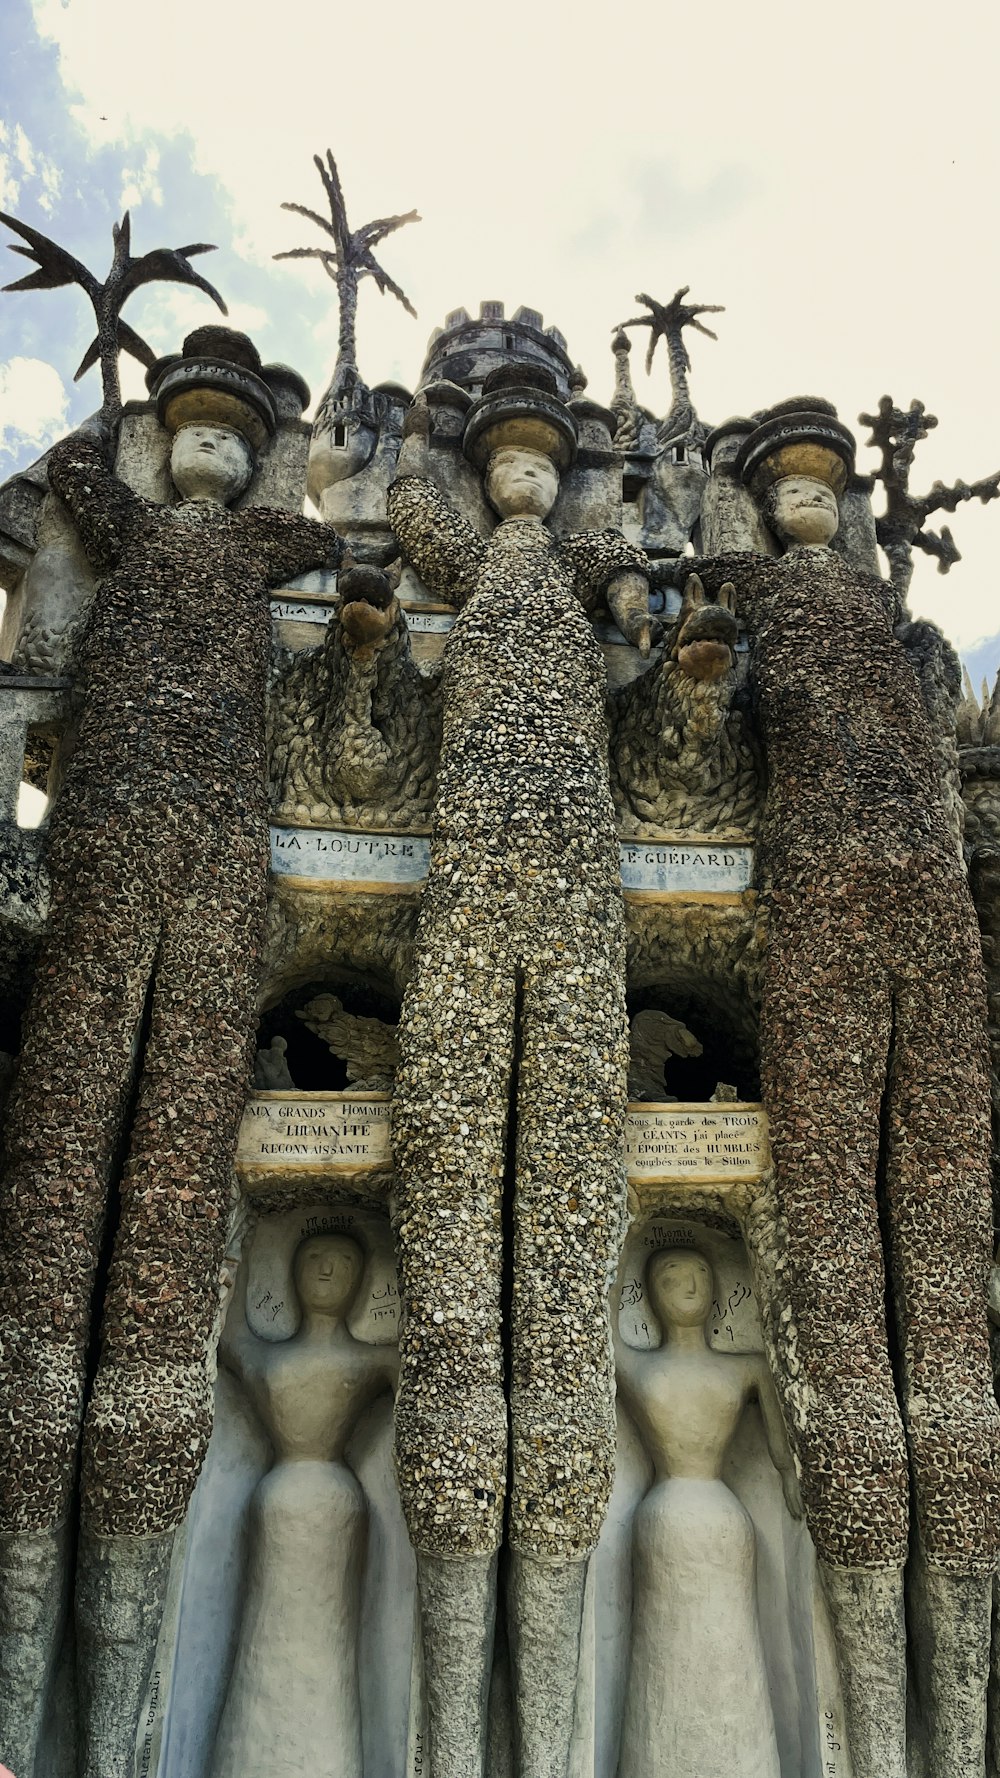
[(516, 1005), (874, 1075), (158, 862)]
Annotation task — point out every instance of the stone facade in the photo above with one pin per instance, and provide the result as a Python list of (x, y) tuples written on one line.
[(387, 1392)]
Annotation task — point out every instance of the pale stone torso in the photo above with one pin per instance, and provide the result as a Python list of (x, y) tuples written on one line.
[(687, 1406), (308, 1393)]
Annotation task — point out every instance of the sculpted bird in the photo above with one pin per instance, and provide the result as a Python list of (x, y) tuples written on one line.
[(55, 268), (655, 1037), (367, 1047)]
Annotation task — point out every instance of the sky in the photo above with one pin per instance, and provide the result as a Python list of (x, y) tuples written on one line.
[(829, 175)]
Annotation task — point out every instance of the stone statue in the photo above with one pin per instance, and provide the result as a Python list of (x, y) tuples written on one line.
[(683, 752), (520, 939), (367, 1047), (354, 726), (271, 1072), (654, 1038), (873, 1067), (293, 1701), (697, 1699), (147, 983)]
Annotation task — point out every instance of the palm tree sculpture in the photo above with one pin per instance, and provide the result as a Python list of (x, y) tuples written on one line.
[(668, 321), (57, 267), (348, 261)]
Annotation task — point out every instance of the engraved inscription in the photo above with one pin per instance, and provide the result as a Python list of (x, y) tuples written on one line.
[(324, 855), (314, 1134), (655, 868), (705, 1142), (305, 611)]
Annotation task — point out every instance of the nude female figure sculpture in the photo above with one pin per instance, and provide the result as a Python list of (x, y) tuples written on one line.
[(293, 1699), (697, 1700)]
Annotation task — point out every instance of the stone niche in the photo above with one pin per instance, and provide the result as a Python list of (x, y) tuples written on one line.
[(276, 1593), (293, 1580)]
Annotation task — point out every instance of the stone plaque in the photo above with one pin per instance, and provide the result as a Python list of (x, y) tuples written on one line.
[(374, 863), (370, 863), (698, 869), (314, 1133), (665, 1142), (342, 1132), (301, 611), (288, 607)]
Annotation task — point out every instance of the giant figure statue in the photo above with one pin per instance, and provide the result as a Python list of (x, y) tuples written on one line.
[(519, 952), (145, 1005), (874, 1075)]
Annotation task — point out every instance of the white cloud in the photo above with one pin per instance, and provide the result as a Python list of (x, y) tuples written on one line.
[(22, 165), (23, 151), (9, 185), (143, 181), (33, 404), (51, 190)]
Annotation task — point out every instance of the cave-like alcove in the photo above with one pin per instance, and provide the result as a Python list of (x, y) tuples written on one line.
[(718, 1014), (311, 1063)]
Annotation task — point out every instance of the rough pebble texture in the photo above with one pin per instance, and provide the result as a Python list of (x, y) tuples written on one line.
[(158, 859), (520, 942), (683, 755), (354, 734), (872, 1033)]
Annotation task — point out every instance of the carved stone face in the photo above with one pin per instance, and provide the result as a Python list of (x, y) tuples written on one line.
[(210, 463), (327, 1272), (680, 1286), (521, 483), (804, 510)]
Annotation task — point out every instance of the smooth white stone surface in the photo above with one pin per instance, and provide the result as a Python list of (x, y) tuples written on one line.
[(654, 868)]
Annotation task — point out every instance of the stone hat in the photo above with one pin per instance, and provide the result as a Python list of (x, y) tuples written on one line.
[(798, 437), (520, 405), (217, 379)]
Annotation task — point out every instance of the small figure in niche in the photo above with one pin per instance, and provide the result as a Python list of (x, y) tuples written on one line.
[(697, 1700), (654, 1039), (271, 1073), (293, 1699)]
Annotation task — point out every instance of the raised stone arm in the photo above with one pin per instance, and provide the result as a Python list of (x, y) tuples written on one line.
[(776, 1437), (443, 547), (285, 544), (103, 509), (939, 675), (627, 1359), (237, 1341)]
